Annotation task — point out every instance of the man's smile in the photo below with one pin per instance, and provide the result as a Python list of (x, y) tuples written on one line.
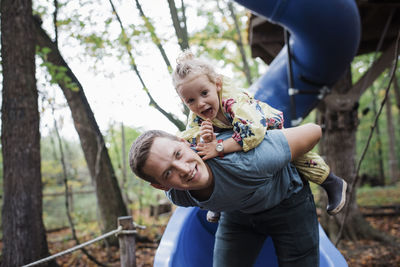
[(191, 177)]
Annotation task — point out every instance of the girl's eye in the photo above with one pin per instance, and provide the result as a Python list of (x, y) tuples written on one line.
[(190, 101), (204, 93), (178, 154)]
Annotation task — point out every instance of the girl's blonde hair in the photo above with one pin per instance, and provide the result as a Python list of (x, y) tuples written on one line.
[(189, 66)]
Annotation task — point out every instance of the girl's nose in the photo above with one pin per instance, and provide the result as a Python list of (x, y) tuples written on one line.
[(200, 104)]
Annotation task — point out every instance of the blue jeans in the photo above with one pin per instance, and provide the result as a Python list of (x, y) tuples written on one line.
[(292, 225)]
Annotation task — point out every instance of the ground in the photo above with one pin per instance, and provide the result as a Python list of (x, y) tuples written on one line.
[(360, 253), (371, 253)]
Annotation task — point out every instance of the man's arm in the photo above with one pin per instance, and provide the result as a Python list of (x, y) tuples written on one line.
[(302, 139)]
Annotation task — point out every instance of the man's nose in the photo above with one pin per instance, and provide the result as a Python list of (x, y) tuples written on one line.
[(182, 168)]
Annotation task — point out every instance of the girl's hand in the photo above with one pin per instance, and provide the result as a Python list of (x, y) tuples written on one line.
[(207, 150), (207, 131)]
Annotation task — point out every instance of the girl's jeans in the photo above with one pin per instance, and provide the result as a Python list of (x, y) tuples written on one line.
[(292, 225)]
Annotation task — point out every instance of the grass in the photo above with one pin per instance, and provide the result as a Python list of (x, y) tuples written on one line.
[(54, 214), (378, 196), (367, 195)]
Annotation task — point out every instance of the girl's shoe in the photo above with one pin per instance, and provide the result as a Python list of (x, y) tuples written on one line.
[(336, 188), (213, 217)]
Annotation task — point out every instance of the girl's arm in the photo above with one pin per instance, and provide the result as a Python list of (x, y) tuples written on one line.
[(207, 150), (250, 119), (302, 139)]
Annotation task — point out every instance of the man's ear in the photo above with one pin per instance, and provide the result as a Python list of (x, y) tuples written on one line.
[(158, 186)]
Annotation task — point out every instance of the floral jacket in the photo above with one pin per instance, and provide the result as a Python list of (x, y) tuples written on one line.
[(249, 118)]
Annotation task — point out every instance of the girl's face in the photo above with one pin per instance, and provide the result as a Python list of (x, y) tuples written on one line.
[(200, 95)]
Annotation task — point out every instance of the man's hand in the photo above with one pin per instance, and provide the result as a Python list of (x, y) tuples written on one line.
[(207, 150), (207, 131)]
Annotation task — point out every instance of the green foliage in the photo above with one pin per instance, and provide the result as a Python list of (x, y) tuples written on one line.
[(52, 174), (1, 173), (54, 211), (218, 39), (366, 118), (57, 74), (378, 196), (138, 191)]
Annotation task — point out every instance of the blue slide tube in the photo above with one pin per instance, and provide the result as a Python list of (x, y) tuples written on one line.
[(324, 38), (188, 241)]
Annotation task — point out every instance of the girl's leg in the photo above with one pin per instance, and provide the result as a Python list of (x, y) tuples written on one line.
[(313, 168), (213, 216)]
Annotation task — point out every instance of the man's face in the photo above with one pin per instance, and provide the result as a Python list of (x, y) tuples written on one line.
[(175, 165)]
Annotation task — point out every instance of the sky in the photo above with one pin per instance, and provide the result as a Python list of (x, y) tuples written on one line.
[(113, 90)]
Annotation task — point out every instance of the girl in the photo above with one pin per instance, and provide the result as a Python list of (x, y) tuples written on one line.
[(216, 105)]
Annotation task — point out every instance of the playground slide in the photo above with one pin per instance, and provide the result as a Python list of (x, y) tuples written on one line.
[(324, 37), (188, 241)]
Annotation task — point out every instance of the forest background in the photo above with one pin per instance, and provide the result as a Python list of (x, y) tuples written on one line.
[(122, 53)]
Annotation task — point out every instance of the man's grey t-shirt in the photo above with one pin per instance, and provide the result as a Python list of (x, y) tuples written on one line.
[(251, 181)]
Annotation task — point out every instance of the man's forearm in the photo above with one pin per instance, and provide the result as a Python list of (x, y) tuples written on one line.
[(303, 138)]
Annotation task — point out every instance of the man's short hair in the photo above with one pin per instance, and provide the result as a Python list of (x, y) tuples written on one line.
[(140, 150)]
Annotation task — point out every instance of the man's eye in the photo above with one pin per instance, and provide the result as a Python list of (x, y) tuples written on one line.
[(167, 174)]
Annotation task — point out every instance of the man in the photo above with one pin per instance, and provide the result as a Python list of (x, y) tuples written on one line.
[(259, 192)]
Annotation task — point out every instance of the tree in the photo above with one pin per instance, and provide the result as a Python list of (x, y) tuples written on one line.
[(179, 23), (108, 193), (339, 116), (24, 238), (379, 158), (394, 172), (222, 39), (128, 46)]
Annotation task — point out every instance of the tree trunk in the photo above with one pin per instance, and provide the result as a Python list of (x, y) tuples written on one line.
[(393, 165), (381, 177), (109, 198), (396, 90), (338, 145), (338, 111), (24, 237)]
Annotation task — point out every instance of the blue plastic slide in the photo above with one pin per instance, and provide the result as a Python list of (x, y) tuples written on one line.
[(324, 37), (188, 241)]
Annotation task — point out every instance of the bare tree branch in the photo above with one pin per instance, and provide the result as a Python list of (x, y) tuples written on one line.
[(172, 118)]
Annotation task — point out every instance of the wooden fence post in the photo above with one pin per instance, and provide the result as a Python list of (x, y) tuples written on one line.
[(127, 242)]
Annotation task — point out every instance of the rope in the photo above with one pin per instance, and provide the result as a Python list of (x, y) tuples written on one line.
[(62, 253)]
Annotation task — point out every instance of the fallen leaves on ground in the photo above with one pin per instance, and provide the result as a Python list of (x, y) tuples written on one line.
[(369, 253), (363, 253)]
